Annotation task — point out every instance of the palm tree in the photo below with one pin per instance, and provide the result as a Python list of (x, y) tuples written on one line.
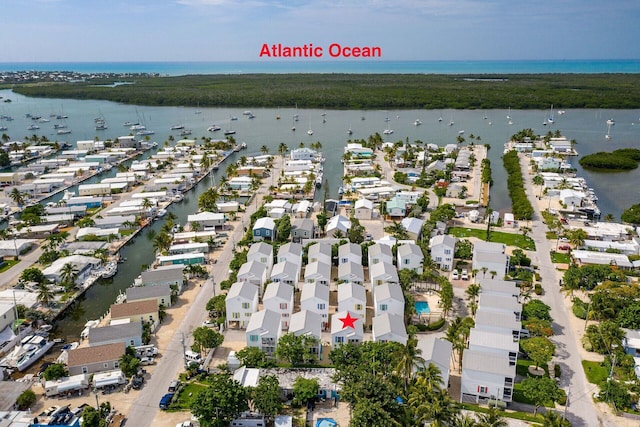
[(45, 296), (408, 357), (577, 237), (491, 419), (68, 274), (264, 149), (553, 419), (397, 230), (473, 292), (17, 196), (463, 421), (538, 180)]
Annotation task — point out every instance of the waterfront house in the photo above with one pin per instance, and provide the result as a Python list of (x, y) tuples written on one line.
[(308, 323), (253, 272), (486, 375), (383, 272), (241, 302), (291, 252), (182, 259), (439, 352), (495, 341), (130, 334), (262, 253), (285, 272), (389, 327), (303, 153), (571, 198), (264, 331), (379, 253), (358, 151), (115, 221), (83, 265), (491, 256), (159, 293), (338, 223), (240, 183), (264, 229), (413, 226), (363, 209), (278, 297), (388, 298), (351, 272), (318, 272), (207, 220), (137, 311), (320, 251), (346, 328), (410, 257), (88, 360), (302, 228), (188, 248), (353, 298), (315, 297), (168, 274), (91, 232), (442, 248), (396, 208)]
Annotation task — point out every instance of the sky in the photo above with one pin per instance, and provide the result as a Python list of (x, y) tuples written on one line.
[(235, 30)]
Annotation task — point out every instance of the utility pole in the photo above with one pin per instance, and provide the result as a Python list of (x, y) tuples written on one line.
[(566, 405), (184, 351)]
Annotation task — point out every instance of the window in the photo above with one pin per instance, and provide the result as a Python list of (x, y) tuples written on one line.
[(283, 306), (245, 305), (321, 306), (116, 364), (253, 338), (344, 261), (105, 365), (85, 370), (338, 340), (285, 314), (131, 343), (235, 315), (438, 259), (358, 307), (384, 307), (447, 251), (483, 389), (247, 315), (406, 261)]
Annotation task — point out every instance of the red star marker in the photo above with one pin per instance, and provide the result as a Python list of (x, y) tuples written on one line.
[(348, 322)]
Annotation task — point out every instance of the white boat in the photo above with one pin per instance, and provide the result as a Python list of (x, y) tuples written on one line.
[(185, 132), (243, 146), (388, 131), (550, 118), (213, 128), (178, 197), (177, 127), (417, 122), (611, 122), (234, 118), (145, 132), (131, 124), (460, 132), (102, 125), (109, 270), (33, 127), (229, 132), (161, 212), (32, 348), (252, 116), (137, 127), (509, 114), (246, 113), (561, 112), (63, 131), (87, 326), (608, 135), (349, 131)]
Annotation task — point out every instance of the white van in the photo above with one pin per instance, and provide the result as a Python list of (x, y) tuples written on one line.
[(193, 357)]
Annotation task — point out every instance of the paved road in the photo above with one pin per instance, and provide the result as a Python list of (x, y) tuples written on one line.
[(582, 411), (10, 276), (145, 408)]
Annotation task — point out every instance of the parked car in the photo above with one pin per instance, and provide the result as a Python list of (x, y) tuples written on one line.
[(464, 275), (564, 247), (455, 275), (144, 361), (174, 386), (564, 240), (136, 382), (165, 401), (209, 323)]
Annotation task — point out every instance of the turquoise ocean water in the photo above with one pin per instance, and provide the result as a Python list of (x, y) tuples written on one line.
[(327, 66)]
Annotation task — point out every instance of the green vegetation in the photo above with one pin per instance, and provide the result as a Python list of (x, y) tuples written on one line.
[(631, 215), (560, 258), (595, 372), (187, 395), (26, 399), (520, 204), (486, 171), (623, 159), (8, 263), (360, 91), (509, 239)]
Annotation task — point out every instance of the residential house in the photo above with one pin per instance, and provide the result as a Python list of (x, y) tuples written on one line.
[(278, 297), (301, 229), (349, 252), (496, 341), (291, 252), (631, 342), (130, 334), (571, 198), (253, 272), (443, 248), (88, 360), (486, 375), (165, 275), (353, 298), (159, 293), (318, 272), (389, 327), (383, 272), (498, 287), (488, 319), (388, 298), (363, 209), (379, 253), (264, 229), (308, 323), (206, 220), (501, 303), (337, 224), (315, 297), (320, 251), (396, 208), (439, 352), (351, 272), (410, 257), (264, 331), (413, 226), (346, 328), (492, 257), (82, 264), (137, 311), (285, 272), (263, 253), (241, 302)]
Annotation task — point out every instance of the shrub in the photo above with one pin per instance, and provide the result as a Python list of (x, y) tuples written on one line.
[(26, 400), (435, 325)]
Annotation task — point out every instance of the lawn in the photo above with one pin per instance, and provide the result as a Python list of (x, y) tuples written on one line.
[(525, 416), (509, 239), (522, 367), (596, 373), (8, 264), (560, 258), (518, 396), (186, 396)]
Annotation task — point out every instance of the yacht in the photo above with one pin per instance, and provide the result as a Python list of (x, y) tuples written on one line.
[(137, 126), (177, 127), (101, 126), (31, 348), (309, 132), (246, 113), (129, 124), (145, 132), (33, 127), (229, 132), (418, 122), (161, 213), (611, 122), (349, 131), (388, 131), (109, 270), (234, 118), (213, 128), (185, 132), (64, 131), (178, 197)]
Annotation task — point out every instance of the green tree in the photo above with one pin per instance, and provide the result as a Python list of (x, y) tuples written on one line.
[(266, 396), (283, 230), (86, 222), (322, 218), (207, 201), (68, 275), (407, 358), (630, 215), (221, 402), (473, 293), (371, 414), (305, 390), (253, 357), (629, 317), (26, 400), (539, 349), (16, 196), (540, 390), (616, 393), (216, 306), (492, 418), (55, 371), (129, 363), (577, 237), (45, 295), (536, 309), (33, 274), (206, 338), (296, 349), (553, 419)]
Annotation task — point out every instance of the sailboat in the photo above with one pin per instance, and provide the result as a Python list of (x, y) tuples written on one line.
[(451, 122), (310, 132), (550, 118), (608, 135), (198, 109), (349, 131), (388, 131), (509, 114), (229, 131)]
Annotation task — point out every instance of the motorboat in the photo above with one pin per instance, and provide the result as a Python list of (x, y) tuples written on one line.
[(229, 132), (213, 128), (417, 122), (101, 126), (309, 132), (161, 212), (234, 118), (145, 132), (388, 131), (64, 131), (131, 124), (31, 348), (178, 197), (611, 122), (109, 270), (185, 132), (246, 113), (33, 127), (137, 126), (177, 127)]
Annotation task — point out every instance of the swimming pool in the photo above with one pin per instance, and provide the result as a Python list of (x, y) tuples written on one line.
[(422, 307)]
